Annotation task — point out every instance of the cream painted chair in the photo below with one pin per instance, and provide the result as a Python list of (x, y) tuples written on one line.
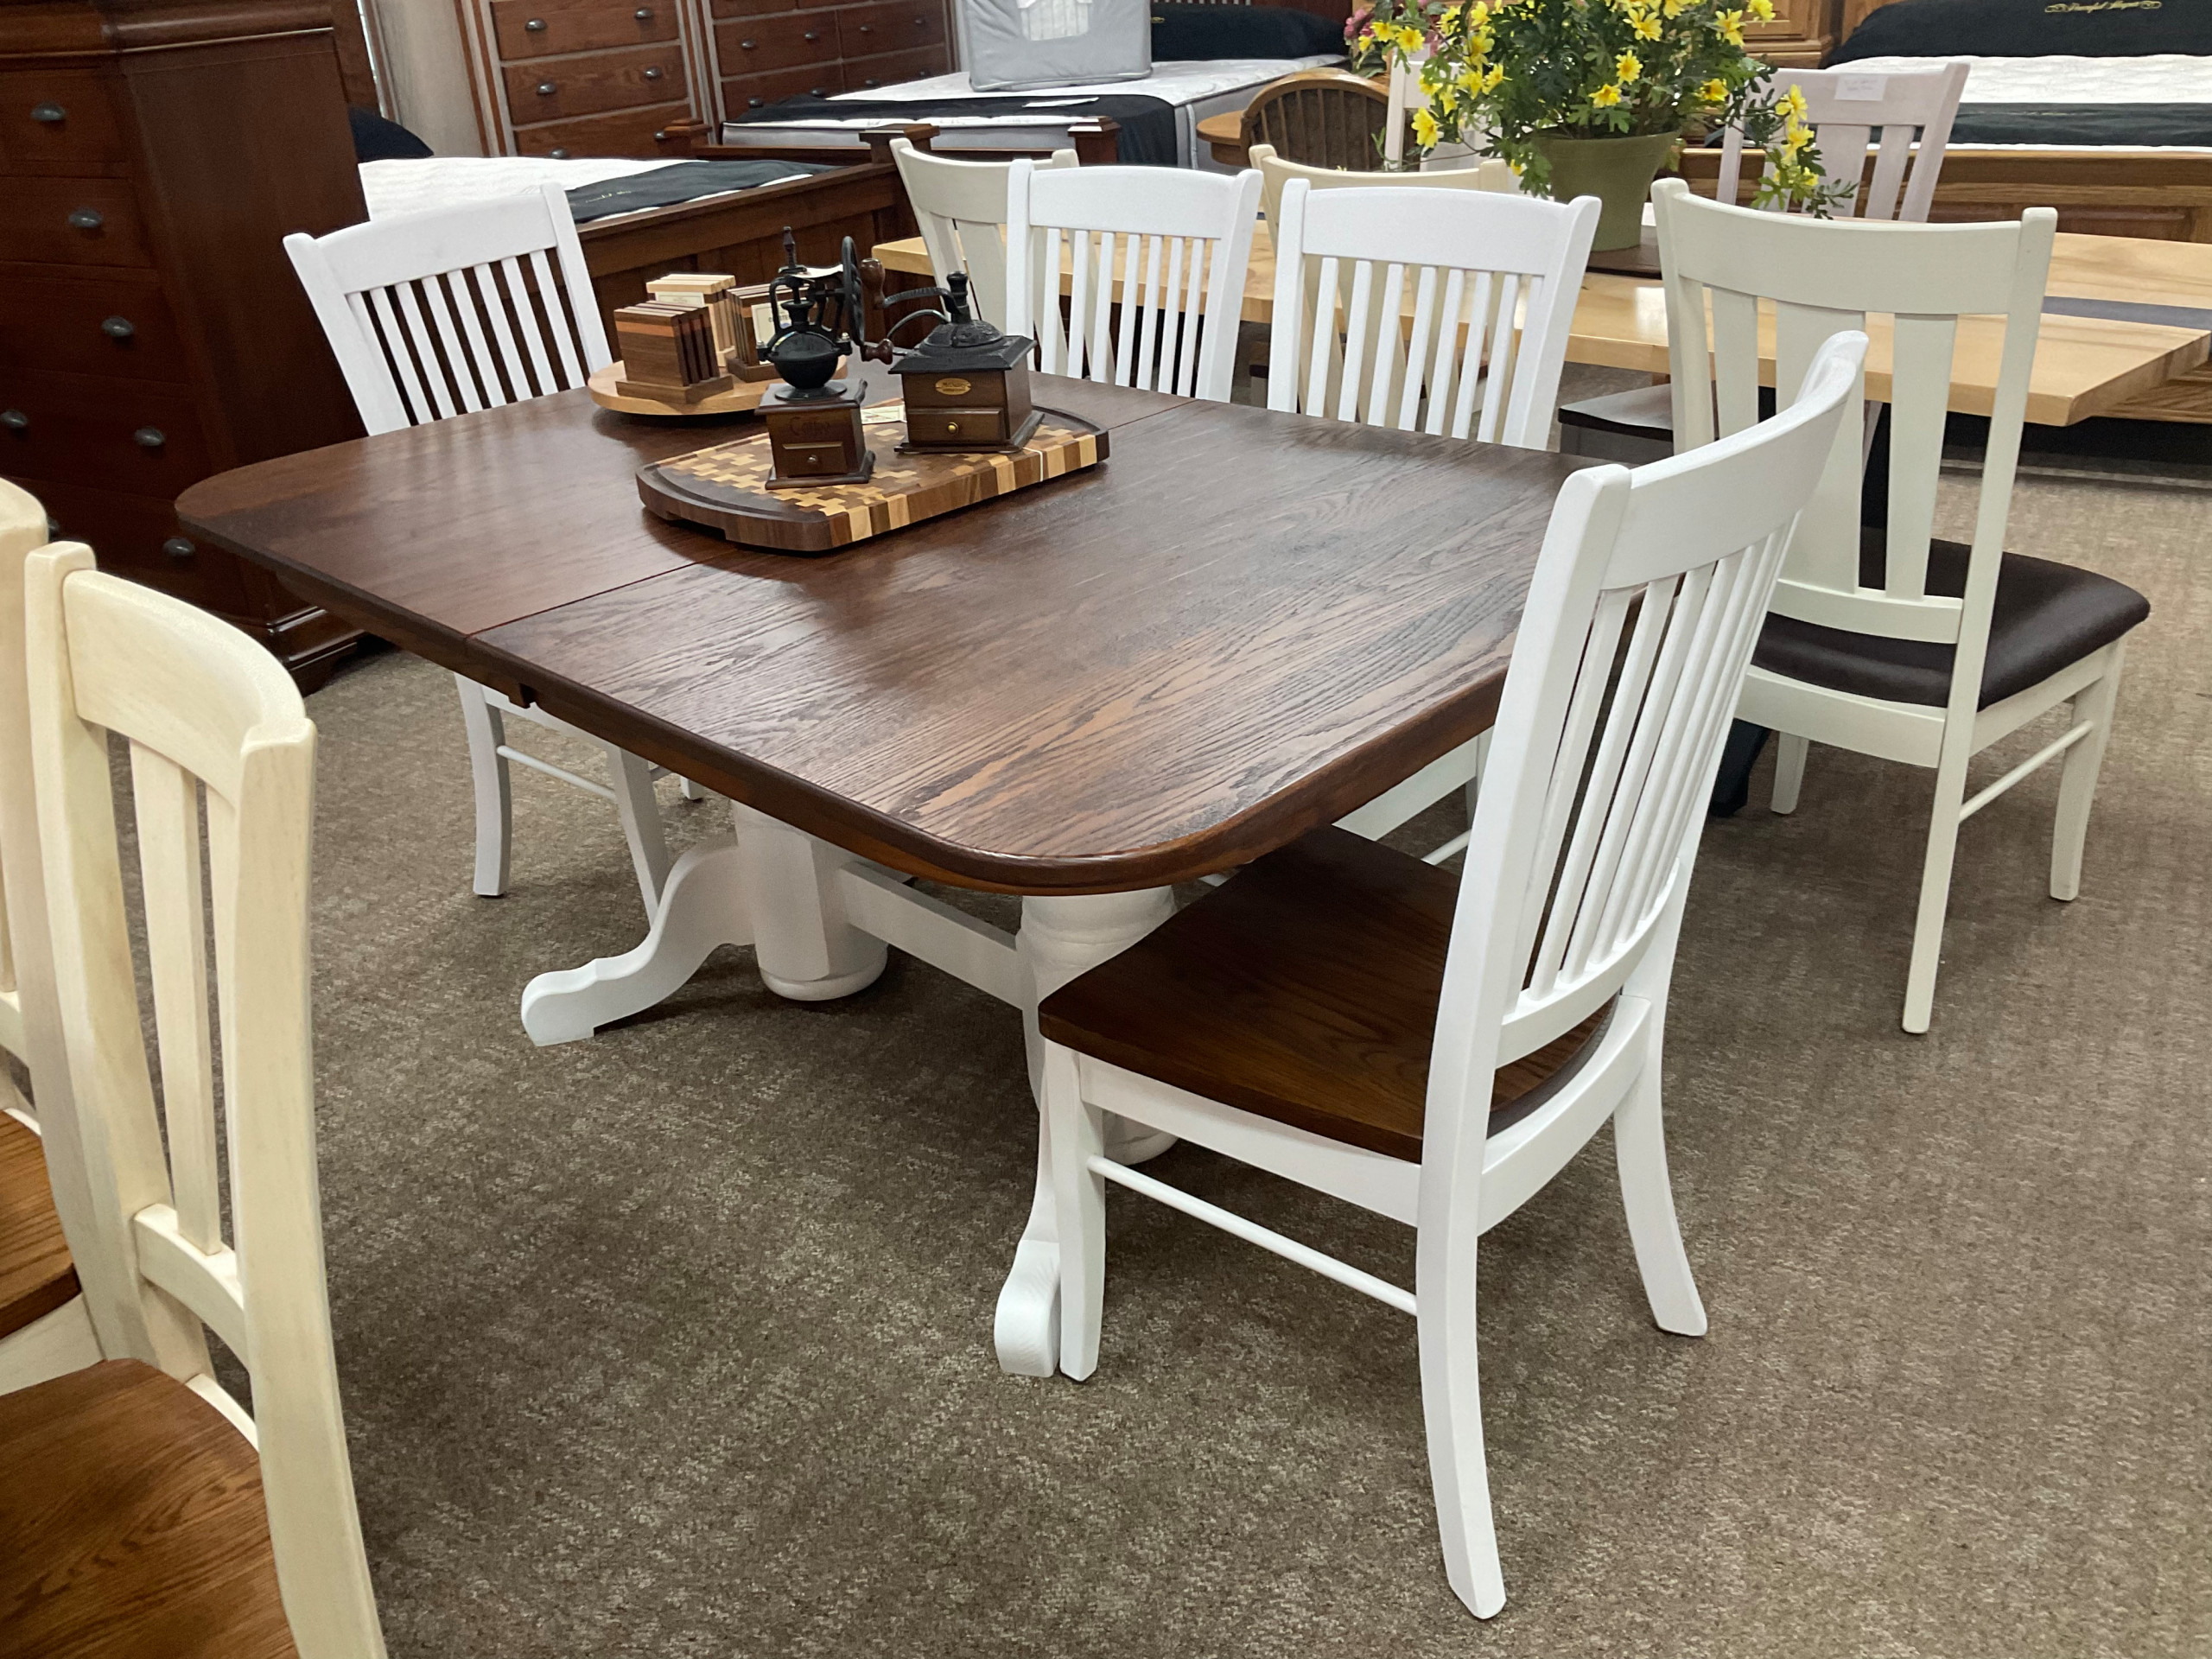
[(1472, 262), (46, 1325), (1492, 175), (1167, 246), (1888, 641), (1502, 1019), (417, 344), (205, 1523), (961, 206)]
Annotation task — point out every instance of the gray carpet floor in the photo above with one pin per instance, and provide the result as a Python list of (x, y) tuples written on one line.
[(677, 1342)]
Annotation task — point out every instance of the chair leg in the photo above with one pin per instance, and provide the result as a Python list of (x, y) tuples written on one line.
[(693, 791), (633, 798), (1640, 1151), (1935, 886), (1475, 783), (487, 770), (1076, 1132), (1452, 1404), (1788, 769), (2078, 785)]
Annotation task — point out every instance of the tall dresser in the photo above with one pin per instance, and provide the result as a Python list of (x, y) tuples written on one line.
[(153, 155), (619, 77)]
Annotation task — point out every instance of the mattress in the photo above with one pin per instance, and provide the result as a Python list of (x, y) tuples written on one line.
[(1194, 90), (2160, 101), (595, 188)]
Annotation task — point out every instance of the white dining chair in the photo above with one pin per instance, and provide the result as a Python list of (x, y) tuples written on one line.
[(1492, 279), (1906, 115), (961, 207), (182, 1505), (1352, 1019), (441, 314), (1887, 640), (46, 1325), (1490, 174), (1157, 258)]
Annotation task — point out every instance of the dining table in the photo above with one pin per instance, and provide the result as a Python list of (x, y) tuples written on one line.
[(1239, 626)]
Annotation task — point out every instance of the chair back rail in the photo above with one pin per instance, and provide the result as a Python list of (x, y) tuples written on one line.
[(1494, 279), (1157, 260), (204, 711), (961, 206), (1908, 115), (449, 312), (1734, 275)]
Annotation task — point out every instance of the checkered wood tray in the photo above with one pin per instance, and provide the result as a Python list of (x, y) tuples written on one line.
[(726, 487)]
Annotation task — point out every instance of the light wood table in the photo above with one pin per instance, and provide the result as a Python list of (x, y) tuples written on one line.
[(2084, 365)]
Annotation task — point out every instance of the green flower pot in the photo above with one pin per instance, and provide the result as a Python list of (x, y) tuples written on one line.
[(1618, 171)]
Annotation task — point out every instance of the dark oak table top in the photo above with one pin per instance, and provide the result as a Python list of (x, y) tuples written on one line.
[(1241, 625)]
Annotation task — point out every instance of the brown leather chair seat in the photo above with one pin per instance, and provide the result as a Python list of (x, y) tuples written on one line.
[(2047, 615)]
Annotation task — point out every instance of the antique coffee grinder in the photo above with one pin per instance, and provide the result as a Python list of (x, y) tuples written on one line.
[(967, 385), (814, 434)]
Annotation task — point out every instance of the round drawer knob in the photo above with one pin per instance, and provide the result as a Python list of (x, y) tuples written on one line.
[(952, 426), (652, 75), (179, 547), (87, 218), (816, 92), (868, 28), (118, 329), (811, 34), (50, 114), (643, 14), (660, 135), (866, 85), (749, 45), (536, 25), (559, 154), (149, 437), (14, 419), (546, 89), (754, 102)]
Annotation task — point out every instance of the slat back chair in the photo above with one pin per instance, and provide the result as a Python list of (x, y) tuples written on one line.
[(1888, 641), (1493, 280), (204, 712), (1277, 171), (441, 314), (961, 206), (1909, 116), (1537, 982), (46, 1325), (1157, 257), (1322, 117)]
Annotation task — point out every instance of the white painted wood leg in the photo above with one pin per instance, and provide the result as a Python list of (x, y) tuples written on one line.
[(1640, 1145), (632, 782), (2078, 785), (1788, 769), (487, 771), (702, 906), (1451, 1408), (692, 791), (1075, 1134), (809, 951), (1060, 937), (1935, 884)]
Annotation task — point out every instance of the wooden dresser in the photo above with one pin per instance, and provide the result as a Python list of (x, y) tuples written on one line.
[(1803, 33), (622, 77), (153, 155)]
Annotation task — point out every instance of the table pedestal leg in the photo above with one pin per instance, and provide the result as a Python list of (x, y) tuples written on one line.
[(1060, 937), (807, 949)]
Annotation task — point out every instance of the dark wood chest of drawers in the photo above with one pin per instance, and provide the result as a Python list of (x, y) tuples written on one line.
[(621, 77), (152, 159)]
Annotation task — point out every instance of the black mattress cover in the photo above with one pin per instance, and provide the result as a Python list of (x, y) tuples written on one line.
[(1147, 135), (680, 181)]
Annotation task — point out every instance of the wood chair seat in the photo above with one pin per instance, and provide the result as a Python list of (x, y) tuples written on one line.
[(2047, 616), (1304, 991), (36, 1275), (131, 1522)]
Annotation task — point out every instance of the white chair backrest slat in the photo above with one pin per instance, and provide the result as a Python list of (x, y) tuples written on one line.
[(1124, 229), (961, 206), (1482, 361), (1592, 798), (1911, 113), (437, 335), (1815, 279)]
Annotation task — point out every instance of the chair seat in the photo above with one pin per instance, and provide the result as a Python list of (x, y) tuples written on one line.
[(36, 1275), (2047, 616), (1304, 991), (131, 1523), (1639, 412)]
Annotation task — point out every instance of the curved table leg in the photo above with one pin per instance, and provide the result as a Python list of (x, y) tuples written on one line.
[(1059, 938)]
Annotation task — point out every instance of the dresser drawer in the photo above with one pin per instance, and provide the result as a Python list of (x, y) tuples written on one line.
[(641, 133), (139, 537), (607, 80), (748, 44), (71, 222), (893, 26), (865, 74), (58, 118), (960, 425), (537, 28), (110, 325), (758, 91), (746, 8), (136, 437)]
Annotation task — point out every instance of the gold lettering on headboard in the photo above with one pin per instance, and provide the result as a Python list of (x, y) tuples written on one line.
[(2105, 5)]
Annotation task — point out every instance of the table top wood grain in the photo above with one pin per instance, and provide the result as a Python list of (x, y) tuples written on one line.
[(1240, 626)]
